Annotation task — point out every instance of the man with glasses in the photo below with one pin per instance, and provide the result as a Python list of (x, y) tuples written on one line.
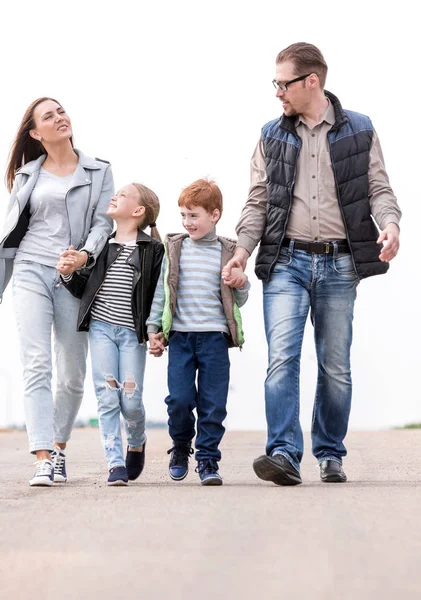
[(317, 182)]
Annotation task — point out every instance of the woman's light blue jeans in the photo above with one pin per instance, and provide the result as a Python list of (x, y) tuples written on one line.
[(43, 305), (325, 285), (118, 367)]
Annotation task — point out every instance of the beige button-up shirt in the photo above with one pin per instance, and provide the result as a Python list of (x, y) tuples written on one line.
[(315, 212)]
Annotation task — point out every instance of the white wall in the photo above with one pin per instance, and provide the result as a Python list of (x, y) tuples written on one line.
[(172, 91)]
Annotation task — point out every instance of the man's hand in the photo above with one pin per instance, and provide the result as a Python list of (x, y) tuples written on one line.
[(156, 344), (70, 260), (389, 237), (233, 272), (238, 278)]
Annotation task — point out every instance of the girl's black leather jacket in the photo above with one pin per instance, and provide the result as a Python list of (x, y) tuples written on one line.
[(146, 259)]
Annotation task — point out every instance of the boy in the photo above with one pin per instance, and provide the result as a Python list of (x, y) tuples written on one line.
[(199, 316)]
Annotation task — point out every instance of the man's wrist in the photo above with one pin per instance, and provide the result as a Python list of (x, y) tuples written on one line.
[(247, 243), (242, 254)]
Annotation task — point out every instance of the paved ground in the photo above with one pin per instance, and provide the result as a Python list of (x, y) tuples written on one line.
[(248, 539)]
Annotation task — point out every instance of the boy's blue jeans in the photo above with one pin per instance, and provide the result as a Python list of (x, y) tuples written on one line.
[(325, 285), (207, 354), (118, 367)]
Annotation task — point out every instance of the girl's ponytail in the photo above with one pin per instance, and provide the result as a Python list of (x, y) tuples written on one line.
[(150, 201), (155, 232)]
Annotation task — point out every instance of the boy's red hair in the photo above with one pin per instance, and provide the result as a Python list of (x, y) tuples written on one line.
[(203, 193)]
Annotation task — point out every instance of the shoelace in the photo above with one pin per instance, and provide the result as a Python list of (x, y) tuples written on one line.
[(180, 453), (207, 466), (44, 467), (58, 463)]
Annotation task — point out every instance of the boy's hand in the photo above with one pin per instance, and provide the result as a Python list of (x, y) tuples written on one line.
[(236, 278), (70, 260), (156, 344)]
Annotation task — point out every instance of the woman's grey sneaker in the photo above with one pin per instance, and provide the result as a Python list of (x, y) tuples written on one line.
[(179, 461), (208, 472), (276, 469), (59, 461), (44, 474), (118, 476)]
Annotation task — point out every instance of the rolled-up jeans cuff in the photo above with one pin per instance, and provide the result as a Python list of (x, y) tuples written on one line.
[(48, 446), (334, 458)]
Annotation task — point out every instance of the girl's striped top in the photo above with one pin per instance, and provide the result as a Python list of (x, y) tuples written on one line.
[(113, 302)]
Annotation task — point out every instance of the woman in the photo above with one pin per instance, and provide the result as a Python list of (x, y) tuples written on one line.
[(59, 199)]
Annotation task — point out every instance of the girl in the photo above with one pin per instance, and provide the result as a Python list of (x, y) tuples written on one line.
[(58, 197), (115, 302)]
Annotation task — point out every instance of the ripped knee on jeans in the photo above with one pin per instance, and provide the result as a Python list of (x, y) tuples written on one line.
[(111, 382), (129, 385), (110, 442)]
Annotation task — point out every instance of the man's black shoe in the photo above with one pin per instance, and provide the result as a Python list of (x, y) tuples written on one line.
[(332, 472), (135, 462), (277, 469)]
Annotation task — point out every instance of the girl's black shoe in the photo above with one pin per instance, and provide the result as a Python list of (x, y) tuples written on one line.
[(135, 461)]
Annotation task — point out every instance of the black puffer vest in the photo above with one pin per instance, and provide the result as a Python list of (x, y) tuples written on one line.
[(350, 142)]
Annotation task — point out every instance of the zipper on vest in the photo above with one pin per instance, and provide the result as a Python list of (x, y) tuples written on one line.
[(341, 209), (288, 213)]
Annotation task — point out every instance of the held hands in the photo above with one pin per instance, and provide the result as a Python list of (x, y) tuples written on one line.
[(70, 260), (233, 272), (389, 237), (156, 344)]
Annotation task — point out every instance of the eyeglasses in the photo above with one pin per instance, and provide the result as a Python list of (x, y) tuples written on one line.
[(283, 85)]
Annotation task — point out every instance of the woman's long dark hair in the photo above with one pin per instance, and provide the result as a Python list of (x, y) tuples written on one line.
[(25, 148)]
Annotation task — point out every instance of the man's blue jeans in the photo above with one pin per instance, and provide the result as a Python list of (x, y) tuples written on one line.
[(118, 367), (325, 285), (207, 354)]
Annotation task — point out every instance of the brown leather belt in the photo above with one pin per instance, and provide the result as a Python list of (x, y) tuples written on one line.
[(318, 247)]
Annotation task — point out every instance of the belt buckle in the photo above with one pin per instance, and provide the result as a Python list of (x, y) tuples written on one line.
[(327, 247)]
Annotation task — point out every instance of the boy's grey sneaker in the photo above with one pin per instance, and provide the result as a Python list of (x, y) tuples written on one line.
[(208, 472), (179, 461), (59, 461), (44, 474), (118, 476)]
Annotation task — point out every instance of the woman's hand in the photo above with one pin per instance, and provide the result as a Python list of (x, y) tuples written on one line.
[(70, 260)]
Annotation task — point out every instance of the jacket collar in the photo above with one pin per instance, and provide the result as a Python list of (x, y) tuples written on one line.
[(34, 165), (227, 243), (142, 237), (288, 123)]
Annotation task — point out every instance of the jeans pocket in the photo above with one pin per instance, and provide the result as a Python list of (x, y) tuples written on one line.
[(284, 258), (344, 266)]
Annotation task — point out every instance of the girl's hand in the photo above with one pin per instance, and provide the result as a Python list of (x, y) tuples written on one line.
[(156, 344)]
